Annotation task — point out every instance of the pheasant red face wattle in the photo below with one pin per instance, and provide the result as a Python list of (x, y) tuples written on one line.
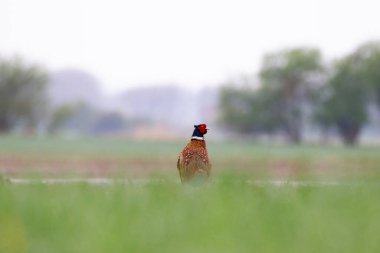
[(202, 128)]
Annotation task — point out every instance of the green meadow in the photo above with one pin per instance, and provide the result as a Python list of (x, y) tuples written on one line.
[(335, 208)]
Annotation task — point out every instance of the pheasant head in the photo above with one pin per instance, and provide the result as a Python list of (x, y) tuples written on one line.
[(199, 132)]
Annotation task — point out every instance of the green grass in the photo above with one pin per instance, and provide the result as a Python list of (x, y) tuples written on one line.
[(230, 214)]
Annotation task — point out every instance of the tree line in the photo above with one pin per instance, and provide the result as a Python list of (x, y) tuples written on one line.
[(25, 105), (296, 86)]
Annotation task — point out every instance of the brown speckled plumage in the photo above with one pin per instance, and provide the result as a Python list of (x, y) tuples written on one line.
[(193, 161)]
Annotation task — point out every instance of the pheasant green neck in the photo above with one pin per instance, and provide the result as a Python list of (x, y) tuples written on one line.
[(197, 135)]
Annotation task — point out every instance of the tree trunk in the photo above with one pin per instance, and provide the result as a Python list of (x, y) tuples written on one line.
[(293, 115), (349, 133), (293, 129), (294, 136), (4, 125)]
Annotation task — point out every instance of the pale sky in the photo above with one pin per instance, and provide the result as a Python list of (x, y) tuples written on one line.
[(191, 43)]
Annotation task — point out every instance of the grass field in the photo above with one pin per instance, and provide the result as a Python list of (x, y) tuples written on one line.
[(54, 157), (230, 214)]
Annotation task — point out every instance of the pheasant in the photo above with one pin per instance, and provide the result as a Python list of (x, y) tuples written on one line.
[(193, 162)]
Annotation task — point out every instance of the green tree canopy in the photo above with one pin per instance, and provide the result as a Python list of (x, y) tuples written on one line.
[(247, 110), (344, 100), (22, 94), (291, 76), (288, 79), (368, 56), (295, 85)]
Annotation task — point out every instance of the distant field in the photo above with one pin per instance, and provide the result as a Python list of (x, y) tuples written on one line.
[(233, 213), (112, 158)]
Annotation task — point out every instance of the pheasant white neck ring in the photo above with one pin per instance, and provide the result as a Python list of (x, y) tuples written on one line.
[(198, 138)]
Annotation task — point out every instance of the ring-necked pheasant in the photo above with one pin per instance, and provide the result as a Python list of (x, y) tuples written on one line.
[(193, 161)]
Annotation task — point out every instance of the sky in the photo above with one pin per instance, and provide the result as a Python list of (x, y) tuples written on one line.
[(191, 43)]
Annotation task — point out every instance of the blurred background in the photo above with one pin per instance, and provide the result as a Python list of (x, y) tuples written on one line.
[(294, 71), (98, 98)]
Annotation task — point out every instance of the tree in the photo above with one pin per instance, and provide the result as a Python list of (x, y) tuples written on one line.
[(61, 116), (83, 119), (22, 94), (291, 76), (343, 100), (249, 111), (368, 55), (236, 108), (109, 123)]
